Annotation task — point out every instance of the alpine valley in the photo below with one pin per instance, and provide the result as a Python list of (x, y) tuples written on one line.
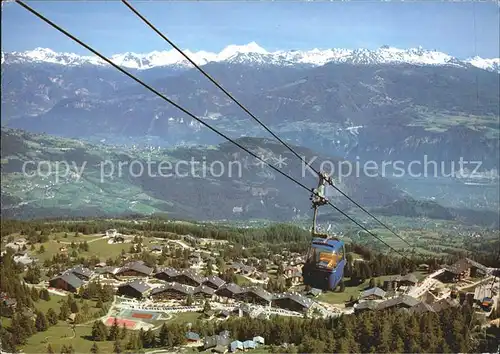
[(384, 104)]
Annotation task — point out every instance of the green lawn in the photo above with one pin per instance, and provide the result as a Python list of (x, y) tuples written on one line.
[(100, 248), (336, 297), (185, 317), (62, 334), (53, 303)]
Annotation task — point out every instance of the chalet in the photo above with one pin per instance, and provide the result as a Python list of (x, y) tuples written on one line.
[(203, 292), (292, 302), (296, 277), (255, 295), (314, 292), (462, 269), (223, 314), (372, 294), (289, 271), (482, 292), (249, 344), (421, 308), (172, 291), (365, 306), (214, 282), (118, 239), (240, 268), (261, 276), (236, 346), (135, 269), (192, 337), (188, 277), (243, 310), (222, 340), (228, 290), (423, 267), (403, 301), (66, 281), (136, 289), (259, 340), (81, 272), (24, 259), (111, 233), (156, 249), (397, 281), (444, 304), (167, 274)]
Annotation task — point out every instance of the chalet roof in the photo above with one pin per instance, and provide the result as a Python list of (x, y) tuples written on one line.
[(259, 339), (222, 339), (444, 304), (481, 292), (81, 270), (192, 336), (422, 307), (203, 289), (367, 305), (191, 275), (463, 264), (404, 299), (137, 285), (314, 292), (373, 291), (300, 299), (214, 280), (181, 288), (156, 248), (171, 272), (235, 345), (243, 267), (249, 344), (137, 266), (71, 279), (233, 288), (258, 291)]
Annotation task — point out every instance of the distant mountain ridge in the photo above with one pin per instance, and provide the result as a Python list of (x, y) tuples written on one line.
[(252, 53)]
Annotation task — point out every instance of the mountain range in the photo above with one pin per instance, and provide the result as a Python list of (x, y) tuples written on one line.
[(252, 53)]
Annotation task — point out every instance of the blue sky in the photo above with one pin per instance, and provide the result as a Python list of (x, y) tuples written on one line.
[(211, 25)]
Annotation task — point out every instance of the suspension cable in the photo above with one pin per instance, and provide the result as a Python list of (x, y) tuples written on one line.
[(155, 29), (139, 81)]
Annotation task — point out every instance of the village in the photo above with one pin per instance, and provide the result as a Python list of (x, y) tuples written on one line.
[(147, 296)]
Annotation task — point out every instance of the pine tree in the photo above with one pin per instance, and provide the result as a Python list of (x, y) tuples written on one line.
[(99, 331), (114, 330), (117, 347), (372, 283), (94, 349), (74, 307), (206, 307), (41, 322), (163, 335), (49, 349), (123, 333)]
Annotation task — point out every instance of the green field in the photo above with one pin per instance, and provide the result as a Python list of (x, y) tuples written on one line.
[(97, 247), (62, 334), (336, 297)]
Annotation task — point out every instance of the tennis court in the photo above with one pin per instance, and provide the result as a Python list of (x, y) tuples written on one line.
[(128, 323), (139, 315)]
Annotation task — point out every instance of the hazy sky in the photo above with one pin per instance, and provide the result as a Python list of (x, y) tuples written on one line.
[(211, 25)]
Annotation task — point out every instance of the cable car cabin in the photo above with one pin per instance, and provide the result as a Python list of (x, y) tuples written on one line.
[(324, 267)]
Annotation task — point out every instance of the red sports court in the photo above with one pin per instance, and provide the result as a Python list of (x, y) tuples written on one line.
[(121, 322)]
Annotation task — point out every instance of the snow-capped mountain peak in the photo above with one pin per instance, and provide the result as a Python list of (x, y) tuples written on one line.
[(252, 53)]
